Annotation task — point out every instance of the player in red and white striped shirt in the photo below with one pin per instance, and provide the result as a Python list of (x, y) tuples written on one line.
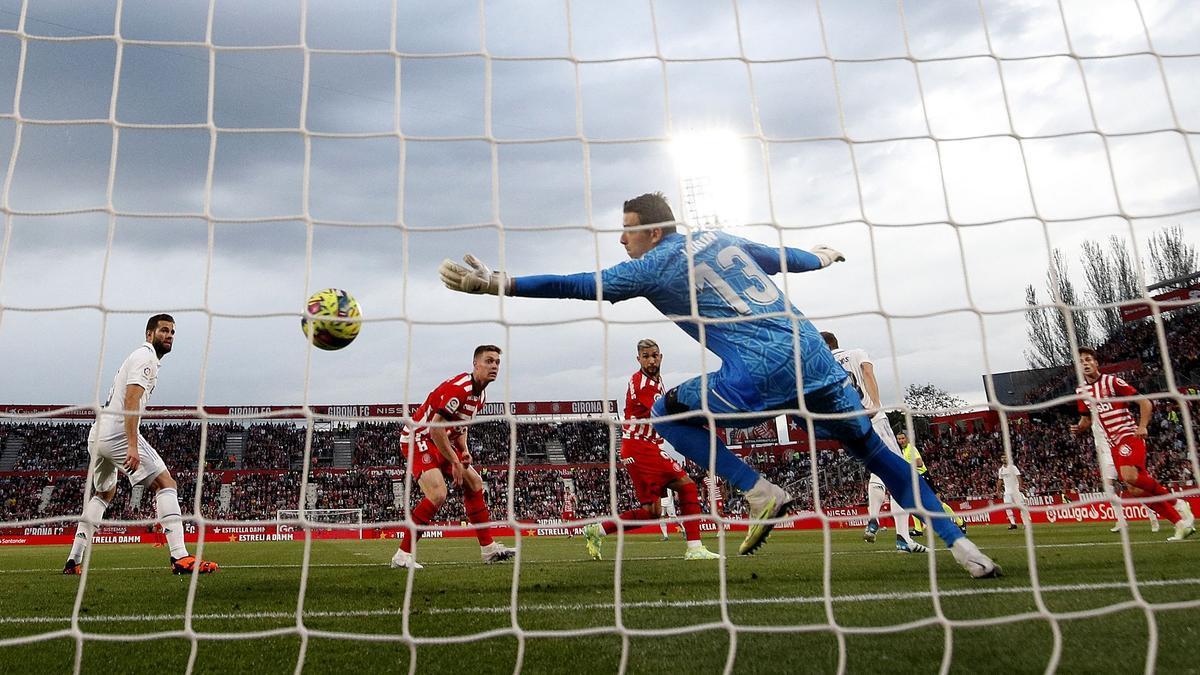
[(434, 450), (653, 471), (1126, 436)]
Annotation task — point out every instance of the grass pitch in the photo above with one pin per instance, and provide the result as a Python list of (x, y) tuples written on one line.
[(565, 618)]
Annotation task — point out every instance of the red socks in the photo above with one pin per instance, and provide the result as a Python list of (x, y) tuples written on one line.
[(422, 515), (689, 505), (611, 526), (1147, 484), (477, 514)]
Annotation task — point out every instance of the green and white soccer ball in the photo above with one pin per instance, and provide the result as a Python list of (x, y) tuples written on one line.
[(323, 307)]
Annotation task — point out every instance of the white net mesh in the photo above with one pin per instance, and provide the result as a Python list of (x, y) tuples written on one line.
[(222, 160)]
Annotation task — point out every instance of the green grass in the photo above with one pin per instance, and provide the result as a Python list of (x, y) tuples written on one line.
[(351, 593)]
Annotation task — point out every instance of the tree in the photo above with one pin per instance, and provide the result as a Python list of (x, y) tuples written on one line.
[(929, 397), (1102, 287), (1043, 352), (1126, 276), (1046, 327), (1170, 256)]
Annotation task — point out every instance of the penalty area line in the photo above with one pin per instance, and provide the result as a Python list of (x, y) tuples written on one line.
[(650, 604)]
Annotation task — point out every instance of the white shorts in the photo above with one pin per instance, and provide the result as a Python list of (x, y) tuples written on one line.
[(1014, 498), (668, 504), (884, 429), (1109, 470), (109, 454)]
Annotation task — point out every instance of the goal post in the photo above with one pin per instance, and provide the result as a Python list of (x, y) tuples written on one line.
[(317, 519)]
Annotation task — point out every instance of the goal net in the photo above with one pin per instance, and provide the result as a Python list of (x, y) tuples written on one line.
[(1009, 180), (323, 519)]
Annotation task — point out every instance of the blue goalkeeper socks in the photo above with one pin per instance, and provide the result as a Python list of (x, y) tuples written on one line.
[(692, 442)]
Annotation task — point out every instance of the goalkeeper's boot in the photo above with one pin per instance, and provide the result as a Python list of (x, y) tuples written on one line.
[(1117, 528), (593, 536), (766, 501), (973, 560), (406, 560), (188, 563), (72, 568), (700, 553), (496, 552), (870, 530), (1012, 526)]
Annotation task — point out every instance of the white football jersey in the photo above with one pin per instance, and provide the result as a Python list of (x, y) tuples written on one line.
[(852, 360), (1011, 476), (140, 368)]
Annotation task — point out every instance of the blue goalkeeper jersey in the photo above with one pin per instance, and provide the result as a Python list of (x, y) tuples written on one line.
[(753, 328)]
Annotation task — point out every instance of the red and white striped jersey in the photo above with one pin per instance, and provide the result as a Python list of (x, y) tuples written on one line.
[(639, 399), (1114, 417), (455, 400), (568, 502)]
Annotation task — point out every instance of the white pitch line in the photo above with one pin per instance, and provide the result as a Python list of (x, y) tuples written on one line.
[(457, 563), (650, 604), (444, 563)]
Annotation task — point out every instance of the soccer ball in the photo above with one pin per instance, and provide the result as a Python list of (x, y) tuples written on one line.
[(329, 303)]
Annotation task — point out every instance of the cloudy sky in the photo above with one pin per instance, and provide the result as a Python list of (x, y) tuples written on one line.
[(223, 161)]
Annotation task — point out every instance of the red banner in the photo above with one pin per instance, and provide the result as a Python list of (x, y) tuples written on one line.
[(1178, 299), (1085, 508), (371, 410)]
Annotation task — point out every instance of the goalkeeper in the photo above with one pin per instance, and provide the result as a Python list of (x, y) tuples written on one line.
[(740, 315)]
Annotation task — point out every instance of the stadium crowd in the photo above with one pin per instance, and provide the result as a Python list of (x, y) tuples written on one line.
[(46, 479)]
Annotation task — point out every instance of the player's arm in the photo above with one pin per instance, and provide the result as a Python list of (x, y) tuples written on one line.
[(1084, 423), (1085, 418), (999, 485), (797, 260), (460, 440), (133, 403), (869, 381), (917, 461), (623, 281), (1145, 412), (441, 440)]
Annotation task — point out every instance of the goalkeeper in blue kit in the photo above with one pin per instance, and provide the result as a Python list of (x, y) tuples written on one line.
[(741, 316)]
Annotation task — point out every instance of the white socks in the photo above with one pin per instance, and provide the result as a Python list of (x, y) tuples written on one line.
[(94, 511), (1119, 512), (901, 517), (166, 504), (875, 494)]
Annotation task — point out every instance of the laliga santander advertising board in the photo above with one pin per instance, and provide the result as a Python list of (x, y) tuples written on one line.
[(1079, 508)]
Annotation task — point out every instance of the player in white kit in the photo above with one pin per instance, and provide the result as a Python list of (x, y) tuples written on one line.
[(1108, 471), (858, 365), (115, 445), (1008, 481)]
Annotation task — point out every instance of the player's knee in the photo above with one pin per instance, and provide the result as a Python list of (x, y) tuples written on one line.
[(669, 404), (163, 481), (436, 495), (107, 495)]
